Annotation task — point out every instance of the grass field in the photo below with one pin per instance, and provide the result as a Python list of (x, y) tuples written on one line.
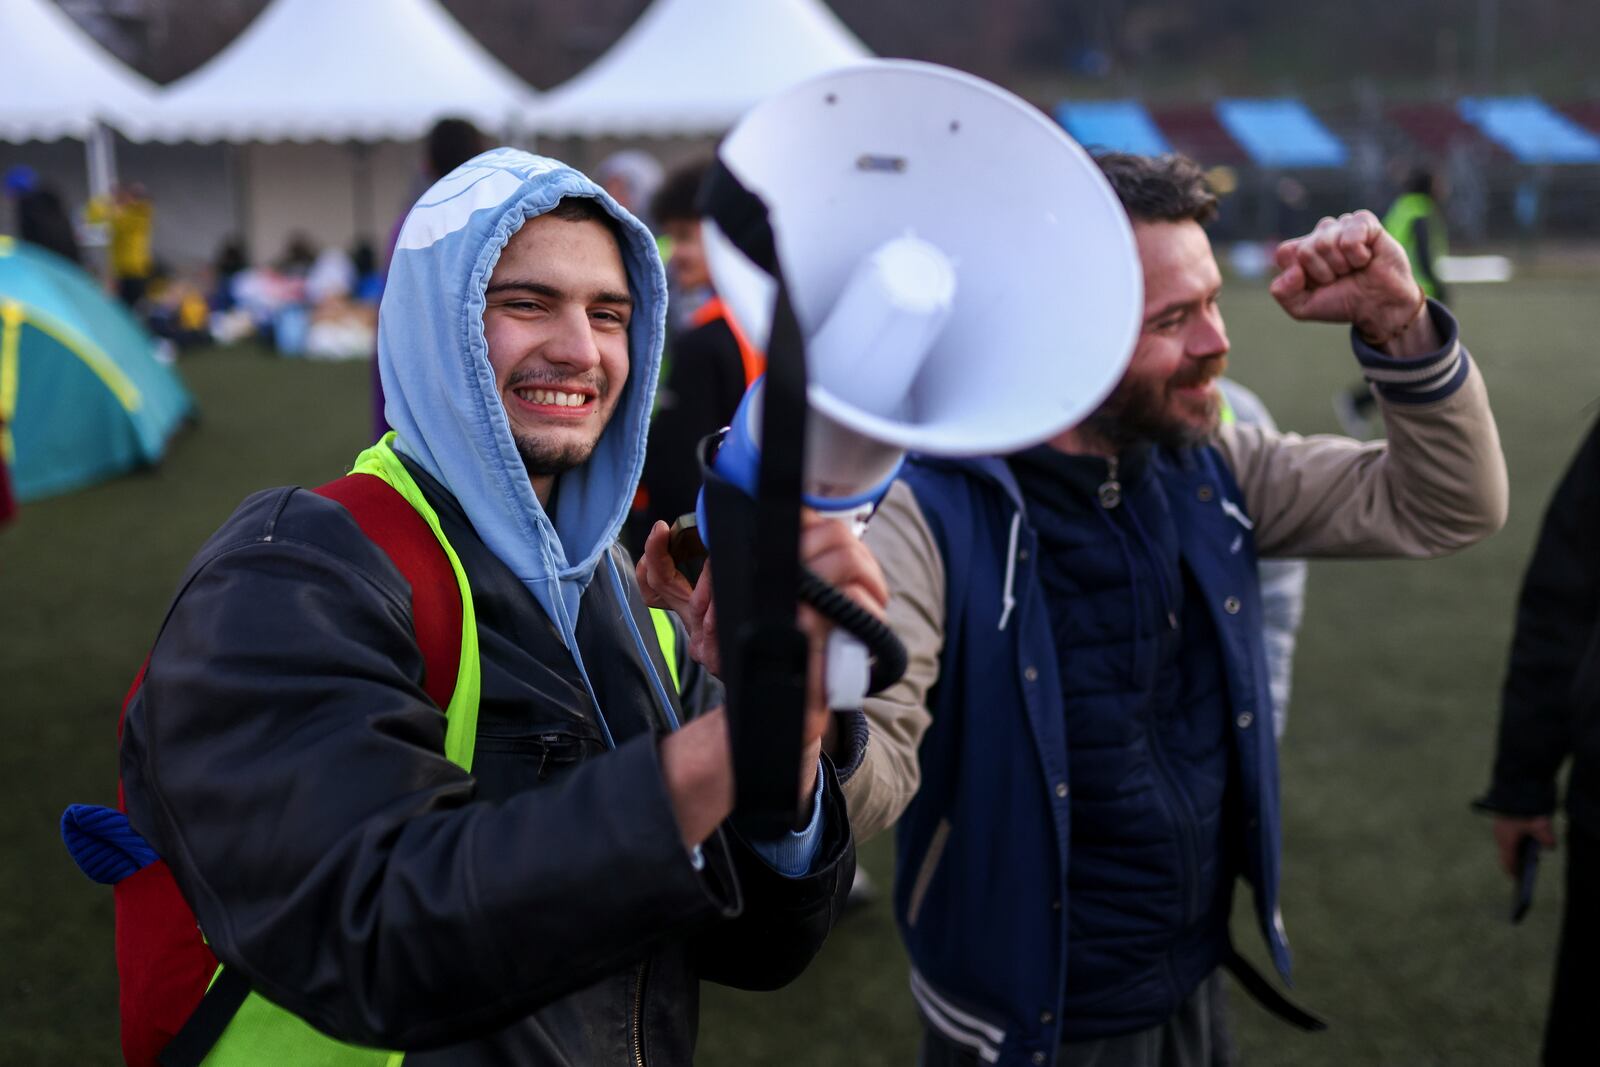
[(1390, 894)]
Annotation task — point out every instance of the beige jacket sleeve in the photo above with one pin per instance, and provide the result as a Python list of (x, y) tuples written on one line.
[(888, 775), (1437, 485)]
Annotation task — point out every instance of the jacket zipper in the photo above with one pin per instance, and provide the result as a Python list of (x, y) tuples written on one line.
[(638, 1015), (1110, 491)]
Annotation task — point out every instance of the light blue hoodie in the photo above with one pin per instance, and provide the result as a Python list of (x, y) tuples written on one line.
[(448, 416), (442, 401)]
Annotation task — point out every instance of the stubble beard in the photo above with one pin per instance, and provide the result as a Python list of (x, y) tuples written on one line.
[(1140, 411), (546, 458)]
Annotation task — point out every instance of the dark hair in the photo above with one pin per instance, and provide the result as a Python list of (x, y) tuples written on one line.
[(1169, 188), (451, 143), (588, 209), (1420, 180), (675, 200)]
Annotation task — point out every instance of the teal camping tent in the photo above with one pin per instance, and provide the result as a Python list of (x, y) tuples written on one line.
[(82, 395)]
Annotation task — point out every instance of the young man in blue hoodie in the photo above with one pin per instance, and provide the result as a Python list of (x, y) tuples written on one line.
[(543, 874)]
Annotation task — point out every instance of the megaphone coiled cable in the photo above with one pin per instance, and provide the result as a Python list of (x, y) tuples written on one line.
[(888, 653)]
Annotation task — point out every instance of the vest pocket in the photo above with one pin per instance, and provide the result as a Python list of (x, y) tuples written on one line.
[(930, 863)]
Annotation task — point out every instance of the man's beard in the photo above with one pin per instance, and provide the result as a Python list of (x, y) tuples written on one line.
[(1138, 411), (544, 459)]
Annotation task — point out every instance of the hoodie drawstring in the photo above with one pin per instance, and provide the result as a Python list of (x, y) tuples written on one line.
[(638, 643), (1007, 599)]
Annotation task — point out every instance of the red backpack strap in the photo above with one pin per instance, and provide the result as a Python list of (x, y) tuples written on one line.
[(407, 539), (163, 962), (122, 717)]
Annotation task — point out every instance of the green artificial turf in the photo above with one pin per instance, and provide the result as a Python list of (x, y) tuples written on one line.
[(1390, 895)]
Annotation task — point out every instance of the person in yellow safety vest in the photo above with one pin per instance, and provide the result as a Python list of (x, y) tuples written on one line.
[(1416, 220), (129, 216), (550, 884)]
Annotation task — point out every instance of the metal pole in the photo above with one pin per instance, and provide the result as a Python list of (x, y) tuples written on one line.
[(100, 160), (361, 192), (101, 156)]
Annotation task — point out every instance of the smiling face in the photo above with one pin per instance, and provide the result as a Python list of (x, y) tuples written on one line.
[(556, 322), (1168, 395)]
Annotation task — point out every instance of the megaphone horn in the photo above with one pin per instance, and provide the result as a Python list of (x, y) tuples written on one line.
[(965, 278)]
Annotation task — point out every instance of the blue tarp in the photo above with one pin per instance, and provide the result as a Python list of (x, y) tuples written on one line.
[(1531, 130), (1281, 133), (1120, 125)]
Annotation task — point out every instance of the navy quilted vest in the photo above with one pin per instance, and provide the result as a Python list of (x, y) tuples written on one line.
[(994, 851)]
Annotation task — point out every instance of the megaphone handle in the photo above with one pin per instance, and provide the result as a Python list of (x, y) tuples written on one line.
[(847, 673), (888, 653)]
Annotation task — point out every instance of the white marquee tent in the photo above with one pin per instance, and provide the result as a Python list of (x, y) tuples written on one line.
[(56, 81), (692, 67), (339, 70), (320, 104)]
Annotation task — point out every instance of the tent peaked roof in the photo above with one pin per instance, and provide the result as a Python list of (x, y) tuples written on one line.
[(55, 80), (690, 67), (334, 70)]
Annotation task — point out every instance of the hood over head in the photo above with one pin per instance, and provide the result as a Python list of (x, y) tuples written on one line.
[(441, 396)]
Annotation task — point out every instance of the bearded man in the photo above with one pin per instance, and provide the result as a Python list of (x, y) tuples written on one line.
[(1087, 707)]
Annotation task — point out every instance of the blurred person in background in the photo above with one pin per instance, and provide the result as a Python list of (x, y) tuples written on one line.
[(298, 256), (708, 367), (1283, 581), (129, 218), (232, 259), (1549, 717), (1416, 220), (450, 143), (1080, 743), (40, 218), (632, 177)]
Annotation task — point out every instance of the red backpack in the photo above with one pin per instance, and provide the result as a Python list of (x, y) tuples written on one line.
[(163, 963)]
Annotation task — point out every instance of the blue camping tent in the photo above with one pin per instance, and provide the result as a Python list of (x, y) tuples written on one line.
[(82, 395)]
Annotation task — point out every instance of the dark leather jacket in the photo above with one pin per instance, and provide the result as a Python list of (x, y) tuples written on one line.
[(541, 910)]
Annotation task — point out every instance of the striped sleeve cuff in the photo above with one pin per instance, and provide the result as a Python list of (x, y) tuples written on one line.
[(853, 733), (1420, 379)]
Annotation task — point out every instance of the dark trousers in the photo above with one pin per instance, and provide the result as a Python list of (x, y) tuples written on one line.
[(1570, 1037), (1196, 1036)]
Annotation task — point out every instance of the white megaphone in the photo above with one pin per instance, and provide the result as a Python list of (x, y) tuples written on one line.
[(965, 278)]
